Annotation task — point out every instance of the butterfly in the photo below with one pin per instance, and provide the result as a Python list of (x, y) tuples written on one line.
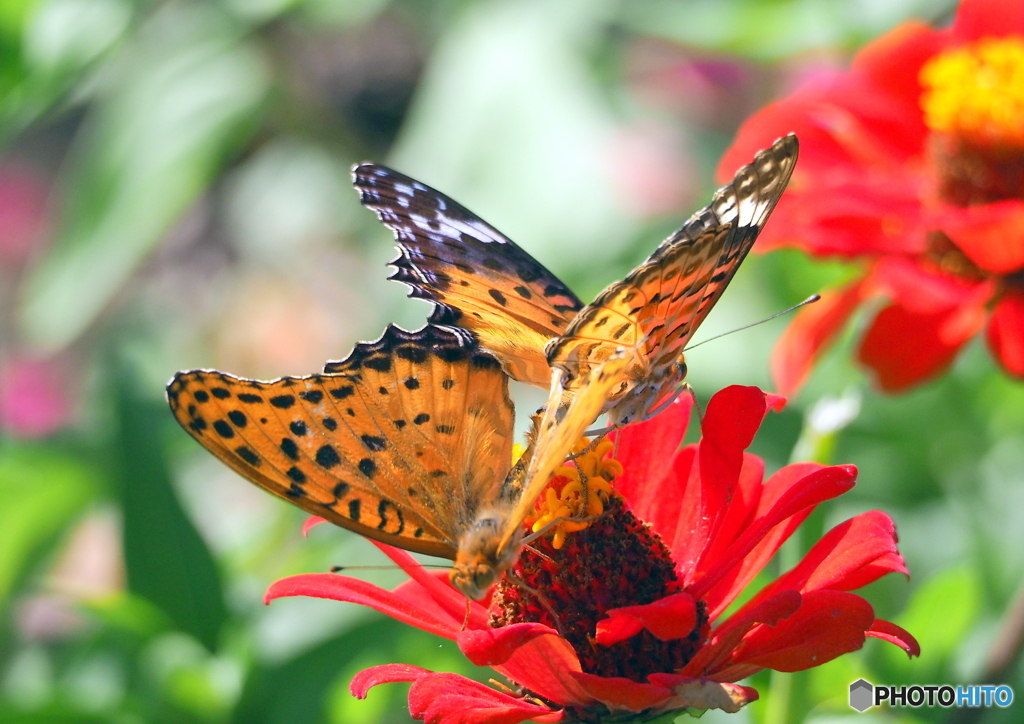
[(482, 282), (407, 441)]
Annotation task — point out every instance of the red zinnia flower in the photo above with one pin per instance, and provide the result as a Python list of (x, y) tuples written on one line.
[(627, 616), (913, 162)]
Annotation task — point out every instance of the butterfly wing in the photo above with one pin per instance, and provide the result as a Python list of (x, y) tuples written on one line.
[(399, 442), (666, 298), (477, 278), (563, 422)]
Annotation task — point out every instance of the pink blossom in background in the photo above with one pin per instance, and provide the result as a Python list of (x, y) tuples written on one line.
[(33, 400)]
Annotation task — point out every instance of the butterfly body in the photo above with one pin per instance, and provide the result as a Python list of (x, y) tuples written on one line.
[(407, 441)]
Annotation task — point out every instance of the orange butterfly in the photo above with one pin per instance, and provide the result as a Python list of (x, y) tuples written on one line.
[(407, 441), (480, 281)]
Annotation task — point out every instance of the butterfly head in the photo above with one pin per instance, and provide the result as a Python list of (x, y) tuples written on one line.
[(481, 559), (643, 397)]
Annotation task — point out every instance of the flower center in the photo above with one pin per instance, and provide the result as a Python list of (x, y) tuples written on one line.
[(973, 101), (576, 576), (976, 91)]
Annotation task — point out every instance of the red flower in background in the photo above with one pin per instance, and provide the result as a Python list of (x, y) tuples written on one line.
[(913, 162), (627, 616)]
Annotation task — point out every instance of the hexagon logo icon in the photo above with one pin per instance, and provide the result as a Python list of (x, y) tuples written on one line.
[(861, 695)]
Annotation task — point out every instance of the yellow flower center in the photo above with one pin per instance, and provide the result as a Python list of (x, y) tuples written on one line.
[(976, 91), (576, 491)]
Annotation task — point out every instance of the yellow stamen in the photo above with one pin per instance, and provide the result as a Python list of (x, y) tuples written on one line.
[(567, 491), (976, 91)]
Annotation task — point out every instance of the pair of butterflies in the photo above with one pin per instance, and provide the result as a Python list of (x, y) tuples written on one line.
[(409, 439)]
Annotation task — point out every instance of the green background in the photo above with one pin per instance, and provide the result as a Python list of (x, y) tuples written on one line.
[(187, 169)]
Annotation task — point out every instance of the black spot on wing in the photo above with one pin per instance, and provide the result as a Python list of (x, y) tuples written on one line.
[(247, 455), (283, 401), (289, 448), (327, 457)]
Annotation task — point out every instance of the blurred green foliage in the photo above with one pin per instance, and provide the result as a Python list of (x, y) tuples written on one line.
[(191, 209)]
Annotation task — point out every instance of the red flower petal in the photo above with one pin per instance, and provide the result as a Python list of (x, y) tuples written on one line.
[(888, 631), (813, 489), (730, 422), (672, 500), (893, 62), (724, 640), (545, 666), (851, 555), (310, 523), (977, 19), (1005, 332), (620, 694), (353, 590), (828, 624), (991, 235), (904, 348), (643, 448), (493, 646), (721, 596), (443, 593), (385, 674), (740, 511), (704, 693), (672, 617), (923, 291), (811, 332), (454, 699)]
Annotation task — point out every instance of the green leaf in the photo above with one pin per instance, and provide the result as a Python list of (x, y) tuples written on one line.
[(63, 42), (166, 560), (42, 493), (179, 100), (299, 691)]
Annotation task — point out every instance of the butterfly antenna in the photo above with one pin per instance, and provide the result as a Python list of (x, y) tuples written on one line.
[(339, 569), (810, 300)]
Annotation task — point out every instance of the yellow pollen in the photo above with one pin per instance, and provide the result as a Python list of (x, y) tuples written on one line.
[(564, 497), (976, 91)]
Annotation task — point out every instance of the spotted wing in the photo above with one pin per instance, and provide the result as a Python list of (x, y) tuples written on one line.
[(665, 299), (565, 419), (400, 442), (478, 279)]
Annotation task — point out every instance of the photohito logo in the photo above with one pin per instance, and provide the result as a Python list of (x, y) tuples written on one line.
[(864, 695)]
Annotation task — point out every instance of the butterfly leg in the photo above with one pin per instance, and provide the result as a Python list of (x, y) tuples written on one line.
[(540, 597), (564, 519), (538, 553)]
